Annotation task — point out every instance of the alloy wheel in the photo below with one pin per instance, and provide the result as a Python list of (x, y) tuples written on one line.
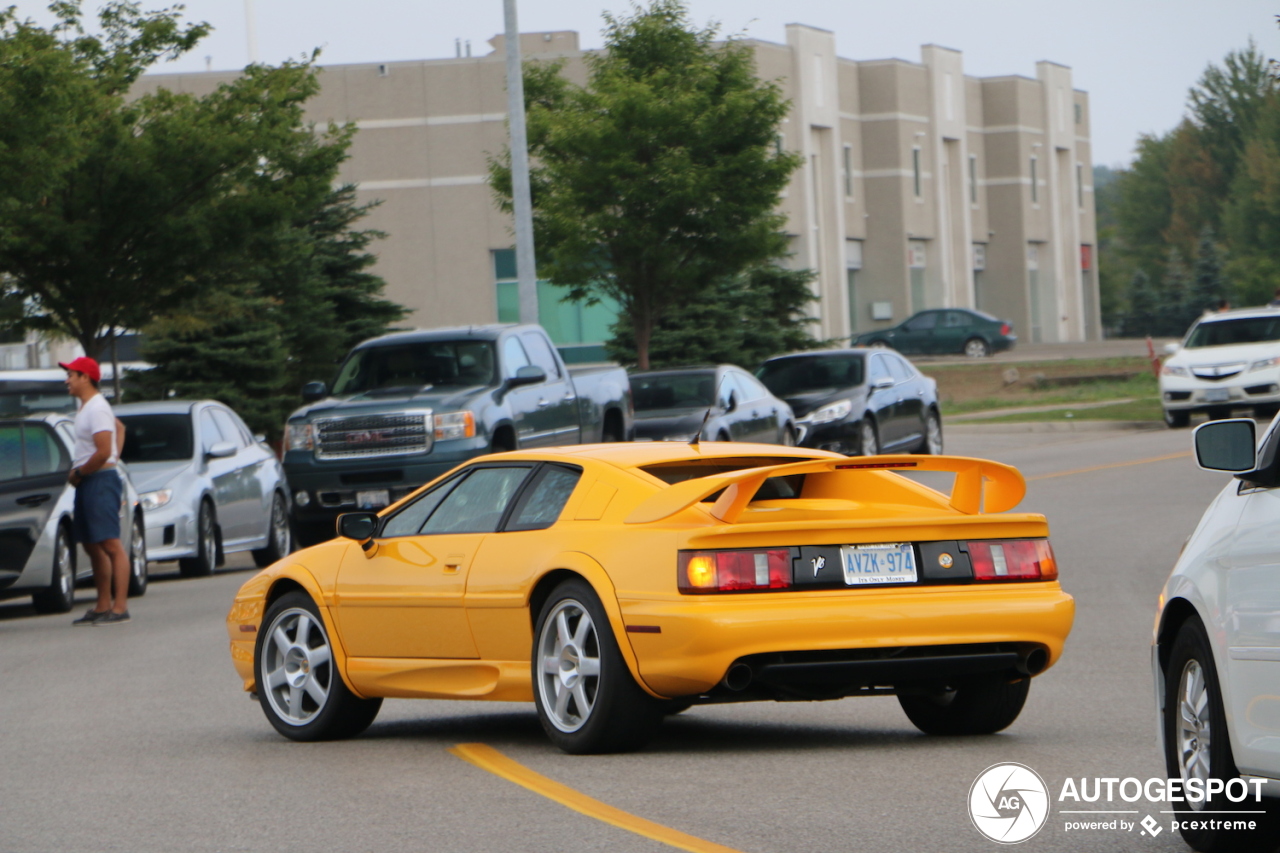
[(280, 527), (867, 438), (1194, 732), (65, 567), (297, 667), (933, 435), (569, 675), (208, 539)]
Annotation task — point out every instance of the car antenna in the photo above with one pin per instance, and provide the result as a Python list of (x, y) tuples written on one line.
[(697, 436)]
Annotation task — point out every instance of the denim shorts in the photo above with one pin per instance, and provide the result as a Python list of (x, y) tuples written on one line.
[(97, 514)]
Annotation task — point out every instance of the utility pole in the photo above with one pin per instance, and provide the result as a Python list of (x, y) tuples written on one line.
[(526, 269)]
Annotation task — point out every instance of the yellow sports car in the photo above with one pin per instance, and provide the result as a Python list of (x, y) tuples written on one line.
[(612, 584)]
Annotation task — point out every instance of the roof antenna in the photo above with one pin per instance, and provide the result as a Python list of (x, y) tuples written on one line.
[(697, 436)]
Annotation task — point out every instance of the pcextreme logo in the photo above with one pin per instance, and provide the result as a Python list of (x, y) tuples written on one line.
[(1008, 803)]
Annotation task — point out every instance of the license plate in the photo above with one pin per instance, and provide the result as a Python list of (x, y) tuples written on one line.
[(879, 564), (375, 499), (1216, 395)]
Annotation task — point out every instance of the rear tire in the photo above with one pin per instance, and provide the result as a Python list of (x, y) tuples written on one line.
[(586, 698), (60, 596), (206, 558), (298, 683), (976, 348), (788, 437), (980, 705), (1177, 419), (279, 537), (931, 444), (868, 438), (138, 559)]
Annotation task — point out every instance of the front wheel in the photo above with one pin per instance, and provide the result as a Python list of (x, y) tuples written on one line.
[(60, 596), (868, 438), (299, 687), (1196, 746), (980, 705), (932, 443), (206, 558), (976, 348), (138, 559), (1177, 419), (788, 437), (586, 698), (279, 540)]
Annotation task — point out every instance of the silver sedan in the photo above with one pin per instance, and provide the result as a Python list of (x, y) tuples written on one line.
[(208, 486)]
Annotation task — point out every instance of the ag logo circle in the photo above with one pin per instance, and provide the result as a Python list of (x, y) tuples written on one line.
[(1008, 803)]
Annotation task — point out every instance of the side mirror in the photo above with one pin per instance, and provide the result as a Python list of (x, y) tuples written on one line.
[(882, 383), (731, 403), (1229, 446), (220, 450), (313, 391), (530, 374), (1170, 349), (359, 526)]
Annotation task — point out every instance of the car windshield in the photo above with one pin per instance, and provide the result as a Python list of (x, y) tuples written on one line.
[(25, 397), (673, 390), (412, 366), (1243, 330), (787, 377), (156, 438)]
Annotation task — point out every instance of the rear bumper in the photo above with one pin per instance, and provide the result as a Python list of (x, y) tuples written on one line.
[(839, 637)]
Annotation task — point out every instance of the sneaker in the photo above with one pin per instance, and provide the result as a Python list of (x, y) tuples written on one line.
[(110, 618), (91, 617)]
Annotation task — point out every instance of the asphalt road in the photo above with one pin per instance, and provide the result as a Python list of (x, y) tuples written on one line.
[(138, 737)]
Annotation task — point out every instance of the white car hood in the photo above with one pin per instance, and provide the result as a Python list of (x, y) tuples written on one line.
[(1232, 354), (152, 476)]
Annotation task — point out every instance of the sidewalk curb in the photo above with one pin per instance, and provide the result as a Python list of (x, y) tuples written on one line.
[(1049, 426)]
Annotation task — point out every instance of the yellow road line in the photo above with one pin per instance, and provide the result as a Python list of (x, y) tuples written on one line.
[(1182, 455), (488, 758)]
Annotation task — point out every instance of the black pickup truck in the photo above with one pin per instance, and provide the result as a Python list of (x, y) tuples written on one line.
[(409, 406)]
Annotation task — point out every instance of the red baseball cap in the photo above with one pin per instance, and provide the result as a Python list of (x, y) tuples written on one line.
[(84, 365)]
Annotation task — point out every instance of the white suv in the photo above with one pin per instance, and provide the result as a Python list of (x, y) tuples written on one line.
[(1226, 361), (1216, 648)]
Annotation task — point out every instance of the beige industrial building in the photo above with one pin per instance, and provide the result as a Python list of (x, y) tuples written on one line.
[(921, 186)]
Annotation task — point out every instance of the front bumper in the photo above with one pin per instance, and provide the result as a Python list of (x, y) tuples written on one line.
[(171, 532), (838, 436), (1183, 394), (701, 637)]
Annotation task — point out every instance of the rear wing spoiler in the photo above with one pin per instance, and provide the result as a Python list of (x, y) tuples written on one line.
[(980, 484)]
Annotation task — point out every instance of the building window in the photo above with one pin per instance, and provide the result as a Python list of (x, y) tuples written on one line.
[(1035, 189), (1080, 185), (852, 263), (848, 171), (973, 179), (915, 169), (1079, 114)]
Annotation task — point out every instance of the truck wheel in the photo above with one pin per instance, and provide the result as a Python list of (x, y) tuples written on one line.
[(612, 430)]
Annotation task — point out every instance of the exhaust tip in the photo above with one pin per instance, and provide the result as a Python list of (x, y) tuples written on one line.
[(738, 677), (1035, 662)]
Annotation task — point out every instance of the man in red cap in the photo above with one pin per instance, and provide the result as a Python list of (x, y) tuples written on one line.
[(98, 494)]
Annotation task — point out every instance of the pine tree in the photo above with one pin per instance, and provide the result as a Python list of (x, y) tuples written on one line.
[(1144, 306), (1208, 287), (1175, 287)]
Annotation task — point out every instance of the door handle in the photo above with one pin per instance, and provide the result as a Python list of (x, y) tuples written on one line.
[(542, 402), (32, 500), (570, 396), (453, 562)]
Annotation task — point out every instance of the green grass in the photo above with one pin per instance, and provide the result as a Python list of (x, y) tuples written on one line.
[(1147, 409), (979, 387)]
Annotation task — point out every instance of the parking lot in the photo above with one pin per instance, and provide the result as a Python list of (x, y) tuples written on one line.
[(139, 737)]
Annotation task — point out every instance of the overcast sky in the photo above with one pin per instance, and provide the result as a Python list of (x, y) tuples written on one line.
[(1136, 58)]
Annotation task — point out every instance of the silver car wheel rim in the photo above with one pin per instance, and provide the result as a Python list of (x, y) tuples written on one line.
[(869, 447), (138, 551), (975, 349), (66, 581), (297, 666), (279, 526), (934, 429), (569, 674), (207, 538), (1194, 733)]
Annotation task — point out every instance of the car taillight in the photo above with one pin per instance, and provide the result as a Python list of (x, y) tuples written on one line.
[(734, 571), (1005, 328), (1013, 560)]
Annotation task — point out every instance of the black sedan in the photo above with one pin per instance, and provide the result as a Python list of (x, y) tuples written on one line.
[(942, 331), (671, 404), (858, 401)]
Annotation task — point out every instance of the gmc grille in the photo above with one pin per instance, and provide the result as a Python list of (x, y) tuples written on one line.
[(393, 434)]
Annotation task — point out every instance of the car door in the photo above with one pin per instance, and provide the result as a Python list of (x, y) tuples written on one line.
[(530, 421), (247, 510), (761, 408), (909, 391), (1252, 624), (917, 334), (955, 328), (33, 475), (882, 399), (404, 597), (557, 402), (737, 421), (221, 474)]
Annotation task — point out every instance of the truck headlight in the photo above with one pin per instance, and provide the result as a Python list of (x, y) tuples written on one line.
[(455, 425), (831, 412), (156, 499), (298, 437)]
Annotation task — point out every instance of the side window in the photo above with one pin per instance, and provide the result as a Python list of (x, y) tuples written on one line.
[(409, 520), (513, 356), (476, 504), (957, 320), (923, 323), (10, 453), (898, 369), (753, 389), (209, 433), (726, 387), (541, 504), (540, 351), (228, 428), (43, 452), (879, 370)]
